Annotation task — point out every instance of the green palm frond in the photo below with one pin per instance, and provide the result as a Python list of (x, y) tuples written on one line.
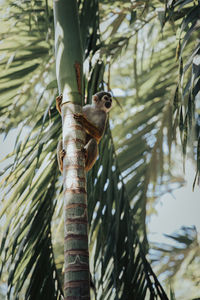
[(26, 245), (26, 55), (145, 128), (120, 269), (185, 15), (179, 260)]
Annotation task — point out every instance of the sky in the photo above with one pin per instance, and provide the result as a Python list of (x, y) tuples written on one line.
[(181, 208)]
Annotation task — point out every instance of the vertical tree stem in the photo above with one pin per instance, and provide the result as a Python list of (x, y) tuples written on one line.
[(69, 77)]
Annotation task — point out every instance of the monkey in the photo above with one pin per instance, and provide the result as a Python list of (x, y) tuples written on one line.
[(93, 119)]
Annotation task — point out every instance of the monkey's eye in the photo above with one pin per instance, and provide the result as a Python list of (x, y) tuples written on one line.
[(106, 98), (108, 104)]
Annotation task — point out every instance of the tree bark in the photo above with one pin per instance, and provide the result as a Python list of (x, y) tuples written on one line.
[(69, 77)]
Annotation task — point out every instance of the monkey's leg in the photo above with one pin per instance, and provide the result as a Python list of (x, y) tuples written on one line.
[(90, 128), (91, 154), (60, 155), (58, 103)]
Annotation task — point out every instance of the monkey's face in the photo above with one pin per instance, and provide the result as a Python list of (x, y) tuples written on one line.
[(103, 101)]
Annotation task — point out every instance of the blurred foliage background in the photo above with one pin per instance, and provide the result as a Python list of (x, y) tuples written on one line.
[(147, 53)]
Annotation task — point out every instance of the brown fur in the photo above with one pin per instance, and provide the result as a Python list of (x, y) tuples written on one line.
[(93, 120)]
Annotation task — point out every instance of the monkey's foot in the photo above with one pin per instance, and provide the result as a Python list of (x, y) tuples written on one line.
[(58, 103), (61, 156)]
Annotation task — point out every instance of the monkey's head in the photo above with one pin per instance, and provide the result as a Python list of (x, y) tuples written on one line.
[(103, 101)]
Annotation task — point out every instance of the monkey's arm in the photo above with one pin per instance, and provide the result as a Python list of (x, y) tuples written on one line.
[(90, 128)]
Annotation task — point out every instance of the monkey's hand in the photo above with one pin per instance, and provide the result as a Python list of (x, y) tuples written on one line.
[(90, 128), (58, 103)]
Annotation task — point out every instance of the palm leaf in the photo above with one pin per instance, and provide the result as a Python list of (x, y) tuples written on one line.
[(177, 259), (187, 54)]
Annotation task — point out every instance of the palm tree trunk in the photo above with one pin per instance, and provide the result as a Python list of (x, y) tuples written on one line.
[(69, 77)]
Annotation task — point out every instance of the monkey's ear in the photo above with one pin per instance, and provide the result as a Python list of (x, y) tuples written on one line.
[(95, 98)]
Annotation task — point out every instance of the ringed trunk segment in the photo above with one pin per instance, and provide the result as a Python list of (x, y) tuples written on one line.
[(76, 281)]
